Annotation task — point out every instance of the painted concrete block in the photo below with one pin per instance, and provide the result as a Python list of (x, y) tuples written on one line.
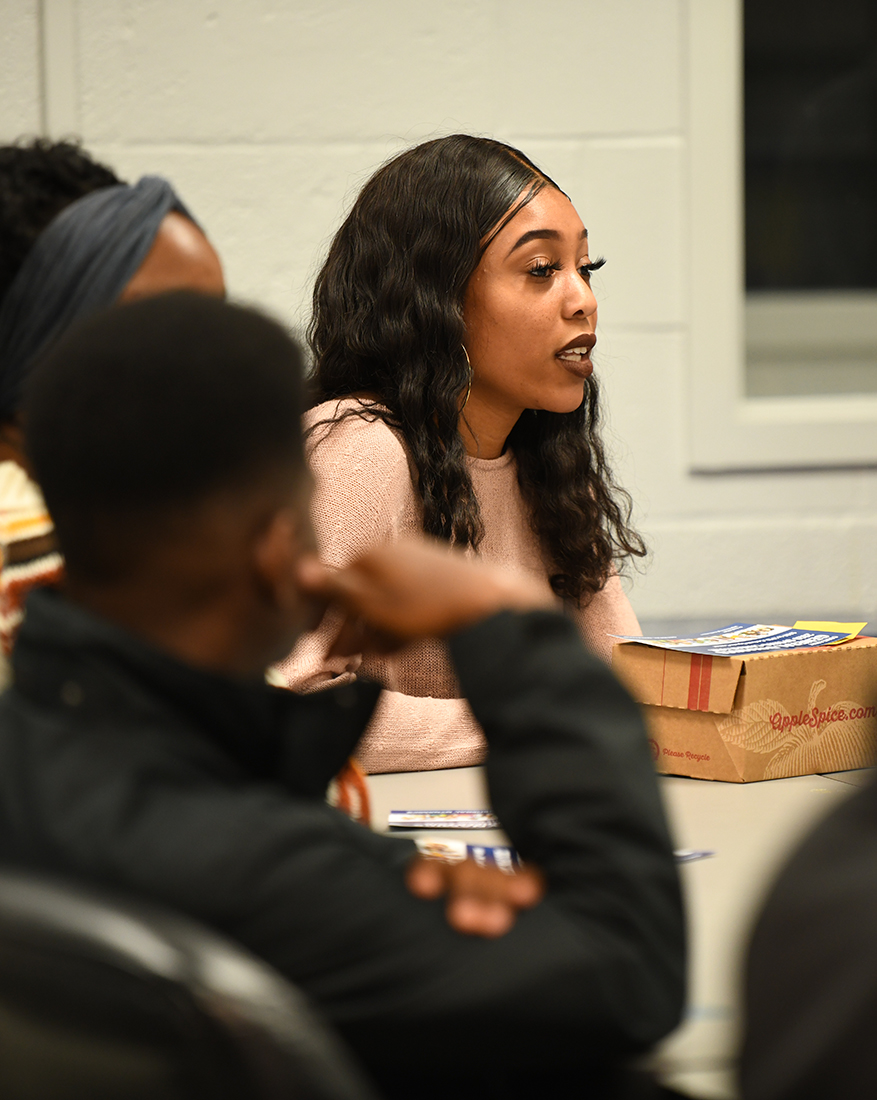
[(271, 211), (268, 71), (19, 70), (788, 566), (572, 67)]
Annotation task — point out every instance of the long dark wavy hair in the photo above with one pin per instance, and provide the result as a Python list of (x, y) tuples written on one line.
[(387, 326)]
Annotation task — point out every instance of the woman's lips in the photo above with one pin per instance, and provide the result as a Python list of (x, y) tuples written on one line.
[(576, 356), (581, 368)]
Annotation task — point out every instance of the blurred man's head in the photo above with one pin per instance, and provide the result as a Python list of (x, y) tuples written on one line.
[(166, 437)]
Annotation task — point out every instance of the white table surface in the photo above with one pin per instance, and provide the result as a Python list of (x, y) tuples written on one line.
[(749, 826)]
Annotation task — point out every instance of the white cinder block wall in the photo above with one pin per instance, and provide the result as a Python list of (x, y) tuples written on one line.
[(268, 114)]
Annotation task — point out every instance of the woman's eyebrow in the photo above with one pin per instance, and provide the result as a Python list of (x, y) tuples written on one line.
[(540, 235)]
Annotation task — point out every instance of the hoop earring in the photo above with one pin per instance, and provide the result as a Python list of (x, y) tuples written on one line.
[(471, 372)]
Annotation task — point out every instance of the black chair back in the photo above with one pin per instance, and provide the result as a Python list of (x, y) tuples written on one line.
[(102, 998)]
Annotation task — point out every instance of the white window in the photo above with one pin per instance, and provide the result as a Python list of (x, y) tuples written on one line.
[(781, 377)]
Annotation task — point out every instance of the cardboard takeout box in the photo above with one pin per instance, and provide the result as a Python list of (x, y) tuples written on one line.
[(763, 716)]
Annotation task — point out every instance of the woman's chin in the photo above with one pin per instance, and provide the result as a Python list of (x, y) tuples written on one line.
[(567, 403)]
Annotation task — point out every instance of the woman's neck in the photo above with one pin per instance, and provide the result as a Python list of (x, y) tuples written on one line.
[(485, 428)]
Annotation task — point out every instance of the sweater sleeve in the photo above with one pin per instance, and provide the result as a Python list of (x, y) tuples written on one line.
[(411, 733), (608, 612), (364, 497)]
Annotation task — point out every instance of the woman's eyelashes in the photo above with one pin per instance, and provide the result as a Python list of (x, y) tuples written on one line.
[(544, 270), (592, 265)]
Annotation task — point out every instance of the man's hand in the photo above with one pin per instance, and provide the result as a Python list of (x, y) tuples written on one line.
[(481, 901), (417, 588)]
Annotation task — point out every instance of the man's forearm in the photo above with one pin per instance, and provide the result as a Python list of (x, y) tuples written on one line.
[(572, 781)]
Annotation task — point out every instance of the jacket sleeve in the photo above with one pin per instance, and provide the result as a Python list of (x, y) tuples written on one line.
[(597, 966), (593, 971)]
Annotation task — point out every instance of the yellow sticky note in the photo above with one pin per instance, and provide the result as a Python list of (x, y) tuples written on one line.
[(849, 630)]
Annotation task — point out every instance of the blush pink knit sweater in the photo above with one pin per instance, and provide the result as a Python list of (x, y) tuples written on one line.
[(364, 495)]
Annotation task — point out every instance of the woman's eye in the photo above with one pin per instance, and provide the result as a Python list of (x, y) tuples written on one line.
[(543, 271), (592, 265)]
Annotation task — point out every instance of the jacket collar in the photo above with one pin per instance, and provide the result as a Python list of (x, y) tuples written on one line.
[(67, 659)]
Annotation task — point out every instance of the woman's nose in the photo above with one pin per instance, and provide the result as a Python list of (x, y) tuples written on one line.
[(580, 298)]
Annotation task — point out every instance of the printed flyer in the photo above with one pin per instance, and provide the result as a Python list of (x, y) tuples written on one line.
[(744, 639), (442, 819), (455, 851), (499, 855)]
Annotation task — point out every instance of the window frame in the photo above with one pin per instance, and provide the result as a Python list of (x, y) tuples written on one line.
[(729, 430)]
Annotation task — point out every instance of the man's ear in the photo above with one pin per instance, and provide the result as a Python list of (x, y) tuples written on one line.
[(276, 552), (285, 562)]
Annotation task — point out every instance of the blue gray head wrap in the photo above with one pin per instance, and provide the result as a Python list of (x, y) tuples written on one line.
[(81, 262)]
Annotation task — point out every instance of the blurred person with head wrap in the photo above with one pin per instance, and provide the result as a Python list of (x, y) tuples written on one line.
[(73, 239)]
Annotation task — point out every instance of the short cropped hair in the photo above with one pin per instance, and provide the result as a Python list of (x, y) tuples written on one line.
[(38, 179), (147, 408)]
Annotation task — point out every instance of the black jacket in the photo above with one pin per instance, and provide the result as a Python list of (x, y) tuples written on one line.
[(122, 766)]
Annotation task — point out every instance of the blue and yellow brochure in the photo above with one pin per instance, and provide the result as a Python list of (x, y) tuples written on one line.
[(745, 639)]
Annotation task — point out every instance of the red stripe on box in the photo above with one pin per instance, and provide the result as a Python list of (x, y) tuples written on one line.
[(694, 681), (703, 699)]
